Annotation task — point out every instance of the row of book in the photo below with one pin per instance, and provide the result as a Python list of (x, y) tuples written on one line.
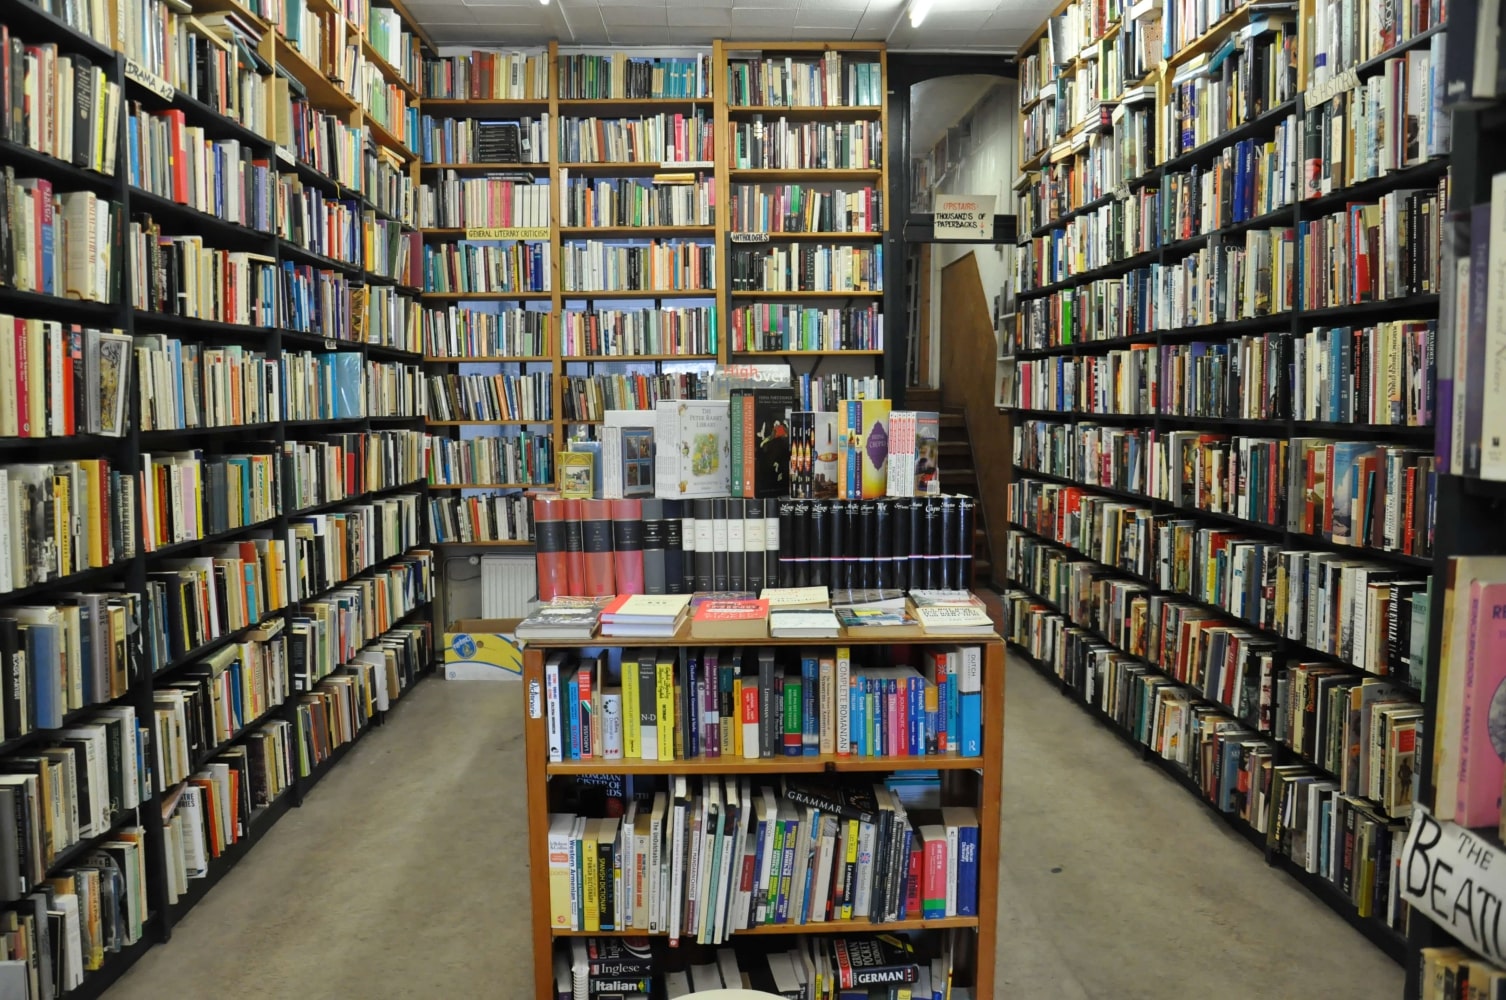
[(524, 459), (623, 333), (492, 397), (61, 243), (483, 75), (871, 967), (785, 145), (187, 385), (801, 208), (325, 550), (330, 632), (319, 141), (689, 847), (653, 546), (1369, 253), (192, 602), (75, 789), (212, 810), (385, 103), (186, 497), (213, 701), (343, 466), (468, 519), (1319, 599), (808, 268), (593, 202), (468, 267), (384, 316), (659, 265), (63, 379), (466, 140), (1210, 97), (1302, 812), (825, 81), (668, 138), (463, 333), (683, 704), (451, 201), (786, 327), (393, 44), (167, 157), (595, 397), (185, 276), (56, 103), (64, 518), (619, 76)]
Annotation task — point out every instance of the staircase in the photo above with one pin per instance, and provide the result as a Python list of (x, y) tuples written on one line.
[(957, 473)]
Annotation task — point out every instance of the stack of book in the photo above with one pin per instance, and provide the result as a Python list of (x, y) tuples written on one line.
[(645, 617), (562, 618)]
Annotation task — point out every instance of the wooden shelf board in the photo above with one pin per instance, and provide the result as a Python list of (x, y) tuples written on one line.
[(780, 110), (742, 294), (445, 359), (388, 70), (486, 486), (631, 103), (485, 296), (389, 141), (645, 293), (823, 354), (484, 166), (845, 637), (740, 765), (599, 231), (827, 927), (322, 91), (636, 357), (632, 167), (466, 104), (833, 174)]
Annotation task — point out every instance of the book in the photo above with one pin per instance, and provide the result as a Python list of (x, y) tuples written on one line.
[(950, 613), (693, 453), (730, 619), (644, 616), (562, 618), (780, 598), (862, 455), (803, 623), (577, 474)]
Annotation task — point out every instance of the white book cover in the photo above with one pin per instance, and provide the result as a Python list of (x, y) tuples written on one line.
[(1493, 410), (692, 455)]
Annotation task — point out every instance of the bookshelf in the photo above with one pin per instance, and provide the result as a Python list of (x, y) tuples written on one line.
[(971, 781), (1173, 309), (211, 470), (622, 172)]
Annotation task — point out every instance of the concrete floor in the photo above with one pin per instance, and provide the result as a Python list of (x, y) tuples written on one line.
[(403, 876)]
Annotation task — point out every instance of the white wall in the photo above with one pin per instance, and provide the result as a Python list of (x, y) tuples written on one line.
[(988, 168)]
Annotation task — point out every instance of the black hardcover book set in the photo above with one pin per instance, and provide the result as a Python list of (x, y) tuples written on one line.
[(905, 543)]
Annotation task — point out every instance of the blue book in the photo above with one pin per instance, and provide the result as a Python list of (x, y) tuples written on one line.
[(350, 398), (810, 869), (810, 692), (972, 724), (786, 872), (953, 703), (967, 858), (914, 705), (573, 696), (42, 655)]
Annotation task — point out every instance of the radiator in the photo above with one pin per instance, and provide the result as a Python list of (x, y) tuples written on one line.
[(508, 586)]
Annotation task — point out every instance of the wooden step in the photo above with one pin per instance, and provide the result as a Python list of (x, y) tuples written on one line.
[(956, 447)]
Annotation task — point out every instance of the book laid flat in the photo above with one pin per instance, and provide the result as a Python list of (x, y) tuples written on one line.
[(796, 597), (730, 619), (803, 623), (645, 616), (563, 618)]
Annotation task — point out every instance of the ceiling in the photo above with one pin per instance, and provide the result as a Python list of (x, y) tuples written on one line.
[(936, 105), (951, 25)]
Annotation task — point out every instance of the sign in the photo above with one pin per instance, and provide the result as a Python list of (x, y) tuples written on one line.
[(964, 217), (750, 237), (1458, 881), (510, 233), (134, 71), (1326, 91), (535, 700)]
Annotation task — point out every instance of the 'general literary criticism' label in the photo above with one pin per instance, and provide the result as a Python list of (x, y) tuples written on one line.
[(1457, 880), (151, 81), (511, 233)]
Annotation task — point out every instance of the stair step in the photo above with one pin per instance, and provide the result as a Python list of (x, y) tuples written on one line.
[(955, 447)]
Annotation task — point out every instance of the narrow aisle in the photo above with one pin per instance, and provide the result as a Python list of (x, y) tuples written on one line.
[(1116, 883), (403, 875)]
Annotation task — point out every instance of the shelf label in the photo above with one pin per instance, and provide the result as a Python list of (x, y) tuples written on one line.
[(535, 702), (509, 233), (151, 81), (1323, 93), (963, 217), (750, 237), (1457, 880)]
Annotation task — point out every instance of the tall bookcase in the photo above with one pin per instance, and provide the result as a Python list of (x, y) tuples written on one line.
[(973, 781), (313, 708), (710, 103), (1134, 555)]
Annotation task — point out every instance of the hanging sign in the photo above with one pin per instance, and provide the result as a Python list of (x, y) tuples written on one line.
[(964, 217)]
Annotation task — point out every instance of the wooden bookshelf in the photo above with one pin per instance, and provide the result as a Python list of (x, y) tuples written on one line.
[(1067, 151), (984, 791)]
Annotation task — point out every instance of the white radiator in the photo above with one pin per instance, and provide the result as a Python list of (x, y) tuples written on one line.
[(508, 586)]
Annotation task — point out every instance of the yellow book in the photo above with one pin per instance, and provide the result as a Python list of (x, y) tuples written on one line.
[(62, 532), (735, 725), (664, 696), (631, 726), (590, 866), (561, 853), (852, 860)]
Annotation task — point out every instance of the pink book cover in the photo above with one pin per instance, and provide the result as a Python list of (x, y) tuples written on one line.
[(627, 545), (1482, 741)]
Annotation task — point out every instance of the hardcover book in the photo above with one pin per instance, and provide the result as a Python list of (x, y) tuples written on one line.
[(730, 619), (862, 462), (693, 453)]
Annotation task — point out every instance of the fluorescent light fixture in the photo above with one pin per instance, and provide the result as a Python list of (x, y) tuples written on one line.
[(918, 11), (544, 2)]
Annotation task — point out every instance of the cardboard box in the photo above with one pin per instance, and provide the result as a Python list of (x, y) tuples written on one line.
[(482, 649)]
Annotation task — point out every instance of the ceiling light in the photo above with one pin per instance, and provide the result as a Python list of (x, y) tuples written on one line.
[(918, 11)]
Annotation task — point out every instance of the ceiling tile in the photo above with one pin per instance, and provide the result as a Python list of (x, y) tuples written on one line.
[(701, 17), (753, 17), (858, 5), (815, 17), (763, 4), (643, 16), (759, 33)]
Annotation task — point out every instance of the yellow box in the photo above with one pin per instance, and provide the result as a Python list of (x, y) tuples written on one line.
[(482, 649)]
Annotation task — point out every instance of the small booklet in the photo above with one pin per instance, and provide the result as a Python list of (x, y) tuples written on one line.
[(563, 618), (803, 623)]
